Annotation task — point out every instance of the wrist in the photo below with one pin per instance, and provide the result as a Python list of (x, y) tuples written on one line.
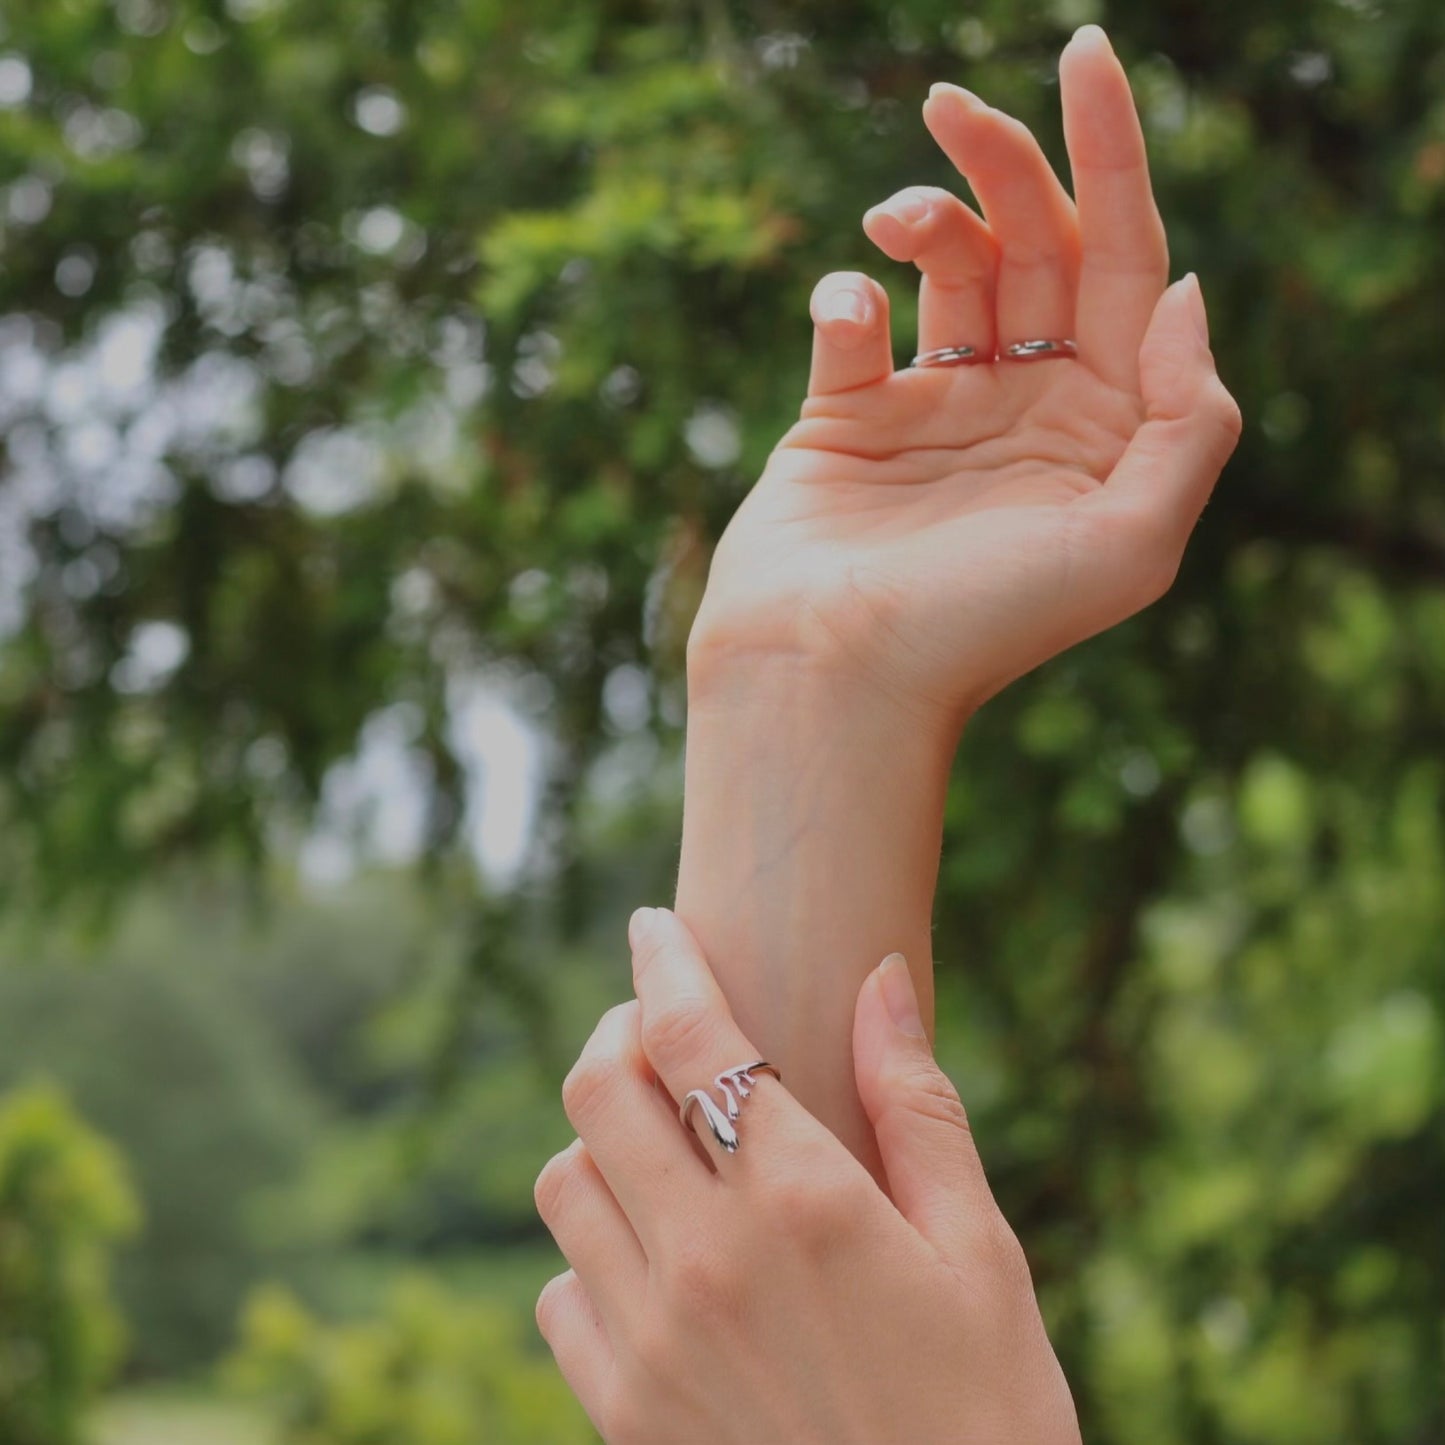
[(820, 684), (812, 825)]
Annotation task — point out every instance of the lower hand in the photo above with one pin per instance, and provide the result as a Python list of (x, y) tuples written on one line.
[(776, 1293)]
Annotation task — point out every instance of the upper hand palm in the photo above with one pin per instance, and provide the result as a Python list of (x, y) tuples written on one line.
[(947, 528), (895, 514)]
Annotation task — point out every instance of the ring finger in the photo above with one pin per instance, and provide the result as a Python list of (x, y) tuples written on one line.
[(593, 1233), (1026, 207), (958, 257)]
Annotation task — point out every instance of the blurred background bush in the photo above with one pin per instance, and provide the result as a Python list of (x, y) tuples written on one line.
[(64, 1201), (374, 379)]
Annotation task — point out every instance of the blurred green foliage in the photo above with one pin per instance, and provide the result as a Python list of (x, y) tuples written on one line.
[(469, 324), (431, 1370), (64, 1203), (161, 1058), (270, 1082)]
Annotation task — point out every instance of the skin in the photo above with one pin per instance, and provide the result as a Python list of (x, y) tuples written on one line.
[(1040, 502), (921, 537), (917, 540), (777, 1293)]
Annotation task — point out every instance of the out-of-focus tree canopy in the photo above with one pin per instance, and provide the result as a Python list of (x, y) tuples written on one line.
[(352, 354)]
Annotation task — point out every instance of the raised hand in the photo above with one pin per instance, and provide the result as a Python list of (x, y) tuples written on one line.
[(935, 532), (776, 1293)]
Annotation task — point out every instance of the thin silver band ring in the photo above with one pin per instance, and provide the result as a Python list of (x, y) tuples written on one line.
[(734, 1085), (949, 356), (1040, 348)]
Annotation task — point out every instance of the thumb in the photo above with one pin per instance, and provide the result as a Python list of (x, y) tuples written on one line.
[(933, 1170), (851, 346), (1191, 425)]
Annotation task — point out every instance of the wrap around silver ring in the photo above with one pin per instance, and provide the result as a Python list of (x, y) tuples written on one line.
[(734, 1085), (950, 356), (1038, 349)]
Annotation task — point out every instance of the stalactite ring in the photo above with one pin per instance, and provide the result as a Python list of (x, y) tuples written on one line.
[(734, 1085)]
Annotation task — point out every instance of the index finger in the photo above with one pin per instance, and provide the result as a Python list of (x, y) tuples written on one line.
[(689, 1034), (1124, 260)]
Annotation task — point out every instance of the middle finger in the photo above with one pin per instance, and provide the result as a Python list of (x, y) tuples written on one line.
[(691, 1037), (630, 1129), (593, 1233), (957, 258), (1026, 207)]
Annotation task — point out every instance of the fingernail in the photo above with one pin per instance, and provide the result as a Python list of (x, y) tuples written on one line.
[(910, 209), (845, 305), (900, 997), (940, 88), (639, 925), (1196, 307), (1092, 35)]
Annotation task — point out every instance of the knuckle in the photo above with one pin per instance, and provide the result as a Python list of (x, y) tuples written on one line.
[(618, 1021), (1224, 409), (680, 1031), (1003, 1256), (927, 1091), (1017, 135), (698, 1281), (794, 1201), (1031, 255), (602, 1063), (652, 1358), (1141, 252), (588, 1084), (555, 1182), (816, 1215), (550, 1304)]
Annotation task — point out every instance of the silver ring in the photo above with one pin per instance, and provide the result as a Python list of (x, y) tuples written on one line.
[(734, 1085), (1037, 350), (949, 356)]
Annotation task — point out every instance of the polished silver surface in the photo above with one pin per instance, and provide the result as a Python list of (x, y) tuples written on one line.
[(1037, 350), (949, 356), (734, 1085)]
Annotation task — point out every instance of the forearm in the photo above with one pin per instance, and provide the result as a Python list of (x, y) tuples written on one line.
[(811, 830)]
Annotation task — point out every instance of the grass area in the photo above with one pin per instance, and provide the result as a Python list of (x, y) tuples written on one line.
[(168, 1417)]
